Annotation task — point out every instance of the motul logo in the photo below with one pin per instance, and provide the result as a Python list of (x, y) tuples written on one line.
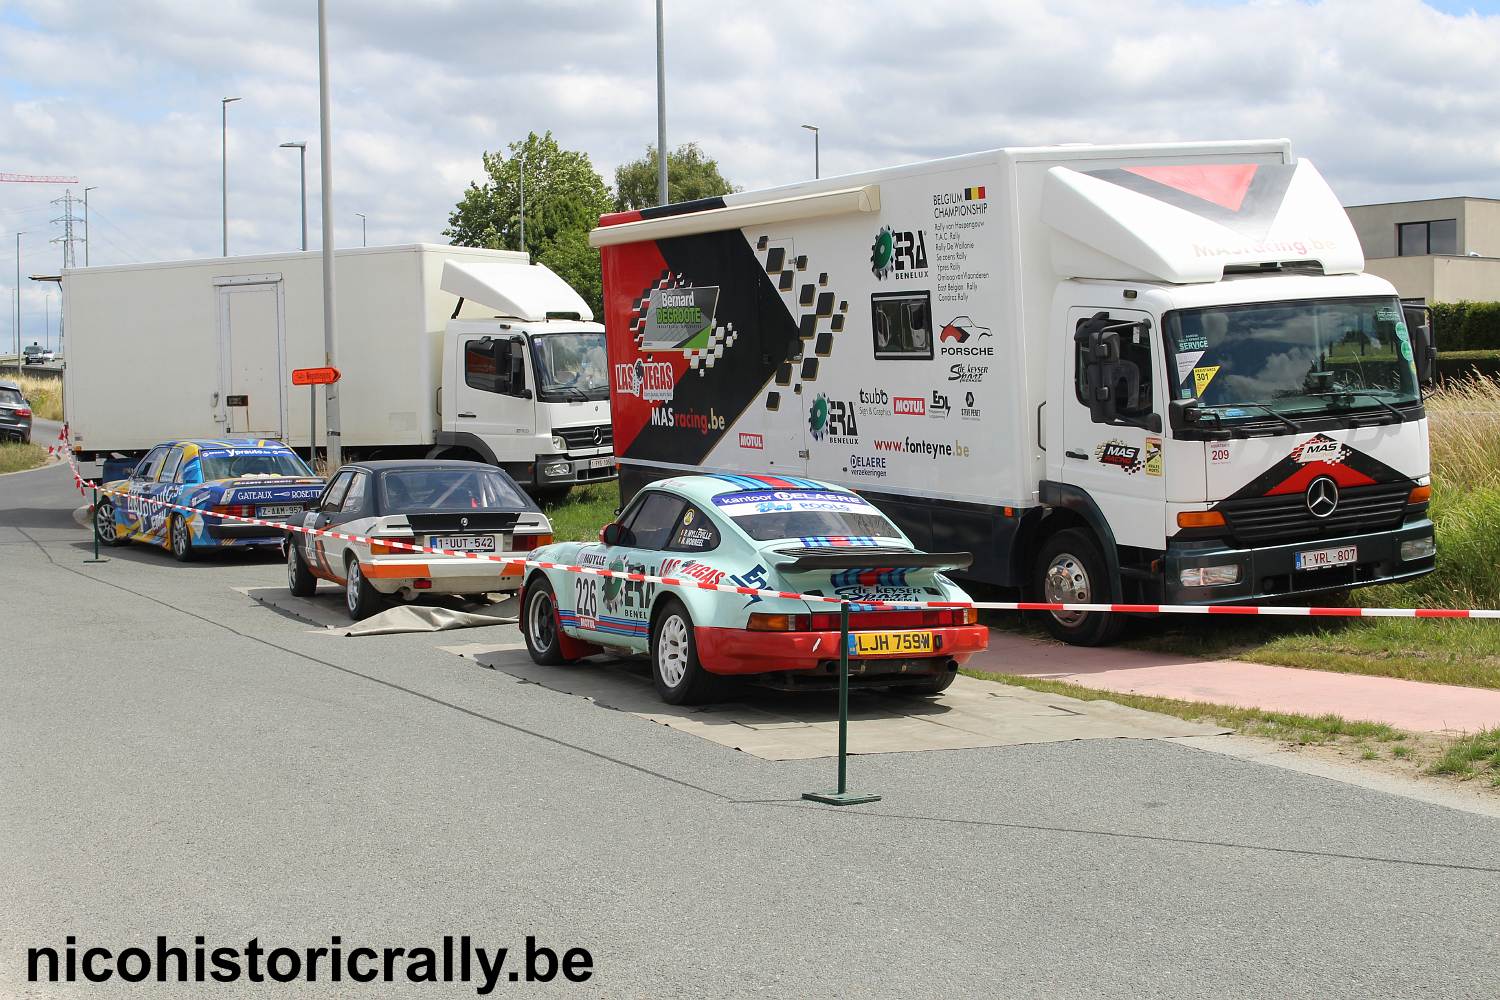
[(910, 406), (754, 441)]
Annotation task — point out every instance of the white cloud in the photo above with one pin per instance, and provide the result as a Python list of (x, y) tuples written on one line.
[(1391, 98)]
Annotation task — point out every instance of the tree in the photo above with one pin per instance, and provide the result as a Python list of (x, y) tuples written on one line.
[(564, 198), (690, 176)]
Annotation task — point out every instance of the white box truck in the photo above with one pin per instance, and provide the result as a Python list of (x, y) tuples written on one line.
[(1149, 373), (444, 352)]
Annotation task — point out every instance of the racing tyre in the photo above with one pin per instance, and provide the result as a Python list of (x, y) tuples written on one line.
[(299, 579), (178, 538), (934, 685), (105, 526), (1070, 569), (680, 679), (539, 624), (360, 598)]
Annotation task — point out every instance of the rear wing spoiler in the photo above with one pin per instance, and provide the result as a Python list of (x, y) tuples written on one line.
[(878, 560), (463, 520)]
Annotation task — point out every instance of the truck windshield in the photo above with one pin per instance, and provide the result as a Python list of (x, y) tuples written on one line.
[(237, 463), (1304, 358), (570, 366)]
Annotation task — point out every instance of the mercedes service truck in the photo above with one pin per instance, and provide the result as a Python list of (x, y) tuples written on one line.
[(444, 351), (1144, 374)]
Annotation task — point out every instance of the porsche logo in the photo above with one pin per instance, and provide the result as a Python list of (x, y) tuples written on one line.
[(1322, 497)]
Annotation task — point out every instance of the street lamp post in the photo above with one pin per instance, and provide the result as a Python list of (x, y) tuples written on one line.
[(661, 108), (87, 233), (331, 423), (363, 232), (18, 301), (301, 148), (224, 103), (814, 130)]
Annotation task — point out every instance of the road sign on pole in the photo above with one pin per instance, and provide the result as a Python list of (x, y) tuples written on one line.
[(312, 378), (315, 376)]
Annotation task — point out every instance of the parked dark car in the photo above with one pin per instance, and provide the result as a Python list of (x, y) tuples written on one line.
[(15, 414)]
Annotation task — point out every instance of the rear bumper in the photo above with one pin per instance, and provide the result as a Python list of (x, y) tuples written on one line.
[(560, 470), (230, 533), (738, 651), (1271, 571), (389, 574)]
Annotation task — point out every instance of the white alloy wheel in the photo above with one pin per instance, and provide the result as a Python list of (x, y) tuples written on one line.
[(672, 650), (104, 523), (352, 587)]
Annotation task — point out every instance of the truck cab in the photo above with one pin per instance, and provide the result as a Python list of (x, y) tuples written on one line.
[(524, 378)]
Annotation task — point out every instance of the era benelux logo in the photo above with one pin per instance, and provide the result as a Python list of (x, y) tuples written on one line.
[(832, 419), (904, 253)]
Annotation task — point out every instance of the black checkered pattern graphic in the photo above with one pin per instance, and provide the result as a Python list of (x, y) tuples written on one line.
[(818, 310)]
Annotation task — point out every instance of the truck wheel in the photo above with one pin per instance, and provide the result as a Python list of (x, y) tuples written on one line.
[(361, 599), (299, 579), (179, 539), (105, 526), (680, 679), (1070, 569), (539, 624)]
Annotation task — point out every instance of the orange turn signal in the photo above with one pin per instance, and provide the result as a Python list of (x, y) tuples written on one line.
[(970, 616), (1200, 519), (761, 621), (379, 548), (1419, 494)]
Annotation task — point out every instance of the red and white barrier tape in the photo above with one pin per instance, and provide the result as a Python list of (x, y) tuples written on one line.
[(669, 581)]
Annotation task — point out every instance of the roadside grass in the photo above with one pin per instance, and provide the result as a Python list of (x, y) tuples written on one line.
[(579, 516), (1464, 422), (44, 394), (1484, 354), (16, 457), (1372, 744)]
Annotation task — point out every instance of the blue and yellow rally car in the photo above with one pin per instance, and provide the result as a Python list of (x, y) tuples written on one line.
[(246, 477)]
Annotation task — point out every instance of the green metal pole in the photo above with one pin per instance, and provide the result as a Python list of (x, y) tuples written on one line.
[(842, 796)]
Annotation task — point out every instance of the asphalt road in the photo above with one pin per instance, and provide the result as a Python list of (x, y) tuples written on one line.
[(175, 759)]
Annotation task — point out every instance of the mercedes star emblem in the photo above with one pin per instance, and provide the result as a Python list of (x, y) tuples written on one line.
[(598, 435), (1322, 497)]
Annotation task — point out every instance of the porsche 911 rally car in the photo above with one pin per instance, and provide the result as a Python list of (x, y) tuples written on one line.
[(796, 535), (451, 505), (247, 477)]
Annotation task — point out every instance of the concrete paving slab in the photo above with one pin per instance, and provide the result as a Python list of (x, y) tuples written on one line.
[(1410, 705), (778, 725)]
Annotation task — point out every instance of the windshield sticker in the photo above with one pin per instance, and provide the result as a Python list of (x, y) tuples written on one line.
[(1193, 342), (1186, 363), (1203, 376), (1405, 348), (1401, 332), (1152, 458), (237, 452), (1386, 314), (753, 502)]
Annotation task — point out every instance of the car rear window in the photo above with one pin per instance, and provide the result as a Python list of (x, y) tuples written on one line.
[(450, 489), (236, 462), (11, 397), (768, 515)]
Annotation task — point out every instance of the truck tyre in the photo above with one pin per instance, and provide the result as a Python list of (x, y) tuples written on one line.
[(1070, 569), (360, 598), (299, 579), (679, 678), (179, 539), (104, 524), (540, 626)]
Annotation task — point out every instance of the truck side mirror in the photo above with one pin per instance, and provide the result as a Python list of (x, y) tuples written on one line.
[(1112, 386), (614, 533), (1423, 329)]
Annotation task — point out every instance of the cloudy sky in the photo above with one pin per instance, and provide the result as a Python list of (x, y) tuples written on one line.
[(1393, 99)]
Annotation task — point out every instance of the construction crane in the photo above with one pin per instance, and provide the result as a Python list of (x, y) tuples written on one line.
[(36, 179)]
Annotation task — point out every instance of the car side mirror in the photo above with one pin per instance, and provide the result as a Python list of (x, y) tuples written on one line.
[(614, 533)]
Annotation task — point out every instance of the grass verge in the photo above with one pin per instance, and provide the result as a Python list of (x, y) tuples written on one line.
[(579, 516), (1476, 756), (44, 394), (16, 457)]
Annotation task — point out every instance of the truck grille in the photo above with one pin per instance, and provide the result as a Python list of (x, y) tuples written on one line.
[(581, 438), (1280, 519)]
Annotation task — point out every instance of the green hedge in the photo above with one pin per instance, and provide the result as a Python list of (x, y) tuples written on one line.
[(1467, 326)]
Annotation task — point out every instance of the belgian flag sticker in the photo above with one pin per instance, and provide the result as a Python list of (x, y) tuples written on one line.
[(974, 193)]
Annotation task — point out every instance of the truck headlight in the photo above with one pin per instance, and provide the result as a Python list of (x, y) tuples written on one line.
[(1211, 576), (1418, 548), (555, 469), (558, 444)]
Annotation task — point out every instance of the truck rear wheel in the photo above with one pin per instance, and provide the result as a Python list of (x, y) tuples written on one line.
[(1070, 569)]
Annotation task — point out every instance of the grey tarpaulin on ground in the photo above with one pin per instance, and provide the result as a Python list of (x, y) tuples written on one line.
[(423, 618)]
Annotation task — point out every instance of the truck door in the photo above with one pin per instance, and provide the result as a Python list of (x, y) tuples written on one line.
[(1118, 462), (493, 395), (251, 399)]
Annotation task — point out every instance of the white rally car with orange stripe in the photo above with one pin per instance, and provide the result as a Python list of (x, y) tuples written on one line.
[(369, 509)]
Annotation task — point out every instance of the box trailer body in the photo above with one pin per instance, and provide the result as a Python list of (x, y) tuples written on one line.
[(934, 334), (206, 348)]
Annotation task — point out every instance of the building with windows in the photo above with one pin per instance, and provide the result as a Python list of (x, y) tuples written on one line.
[(1441, 249)]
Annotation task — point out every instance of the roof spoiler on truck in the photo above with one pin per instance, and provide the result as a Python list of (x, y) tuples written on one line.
[(864, 198)]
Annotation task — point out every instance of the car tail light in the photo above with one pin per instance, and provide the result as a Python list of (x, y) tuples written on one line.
[(763, 621), (1200, 519), (525, 543), (828, 621), (21, 411), (379, 547), (422, 583), (1419, 494), (236, 509)]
